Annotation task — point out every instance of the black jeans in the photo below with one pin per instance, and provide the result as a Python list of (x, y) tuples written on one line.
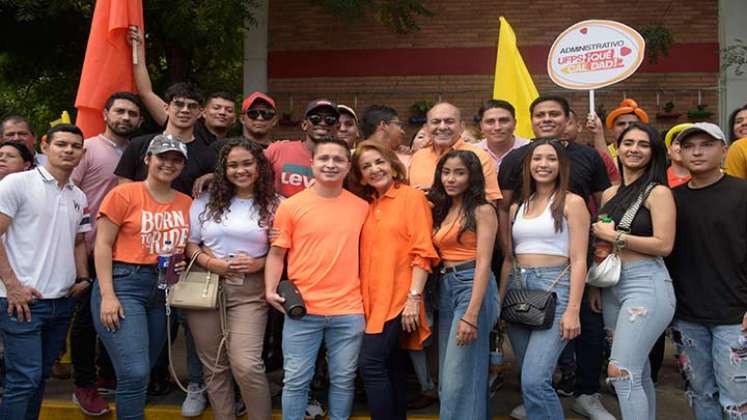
[(381, 366), (589, 350), (84, 342)]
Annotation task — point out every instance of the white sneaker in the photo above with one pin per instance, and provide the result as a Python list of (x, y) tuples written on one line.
[(195, 402), (591, 406), (519, 413)]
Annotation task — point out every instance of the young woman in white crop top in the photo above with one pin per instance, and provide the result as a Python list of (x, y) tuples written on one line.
[(549, 239)]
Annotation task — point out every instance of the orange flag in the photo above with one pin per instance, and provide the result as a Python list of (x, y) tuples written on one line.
[(107, 67)]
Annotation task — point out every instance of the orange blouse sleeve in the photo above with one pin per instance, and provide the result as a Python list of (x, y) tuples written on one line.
[(420, 225)]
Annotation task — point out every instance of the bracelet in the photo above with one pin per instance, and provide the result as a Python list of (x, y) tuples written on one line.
[(468, 323), (83, 279), (196, 254)]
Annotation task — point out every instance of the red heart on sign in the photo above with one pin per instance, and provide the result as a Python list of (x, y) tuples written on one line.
[(584, 30), (625, 51)]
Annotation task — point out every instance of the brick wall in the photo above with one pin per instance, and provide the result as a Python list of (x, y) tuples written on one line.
[(295, 25)]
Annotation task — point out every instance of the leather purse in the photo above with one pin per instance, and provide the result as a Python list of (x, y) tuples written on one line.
[(606, 273), (532, 308), (197, 288)]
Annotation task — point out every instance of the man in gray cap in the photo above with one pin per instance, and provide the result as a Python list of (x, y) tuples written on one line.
[(708, 270)]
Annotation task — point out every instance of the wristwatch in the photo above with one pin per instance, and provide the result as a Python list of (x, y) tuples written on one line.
[(415, 294), (619, 240)]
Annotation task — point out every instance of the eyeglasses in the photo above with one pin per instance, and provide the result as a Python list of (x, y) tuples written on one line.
[(191, 106), (317, 119), (255, 114)]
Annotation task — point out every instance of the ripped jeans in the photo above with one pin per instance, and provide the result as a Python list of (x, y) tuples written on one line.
[(637, 310), (714, 359)]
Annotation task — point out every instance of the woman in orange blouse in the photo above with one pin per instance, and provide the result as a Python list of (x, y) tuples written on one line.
[(396, 254), (465, 228)]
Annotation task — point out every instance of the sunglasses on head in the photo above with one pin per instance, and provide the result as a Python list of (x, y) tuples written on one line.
[(256, 113), (317, 119)]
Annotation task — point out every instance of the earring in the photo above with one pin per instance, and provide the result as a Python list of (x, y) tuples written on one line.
[(363, 182)]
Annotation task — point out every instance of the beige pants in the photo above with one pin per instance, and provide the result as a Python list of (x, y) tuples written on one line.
[(246, 318)]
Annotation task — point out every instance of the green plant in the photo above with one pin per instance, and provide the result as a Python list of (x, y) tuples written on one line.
[(669, 107), (420, 107), (700, 112), (658, 40), (735, 55)]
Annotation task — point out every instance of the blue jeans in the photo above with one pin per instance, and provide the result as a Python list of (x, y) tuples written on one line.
[(342, 335), (463, 370), (30, 351), (382, 371), (638, 310), (134, 347), (714, 359), (537, 351)]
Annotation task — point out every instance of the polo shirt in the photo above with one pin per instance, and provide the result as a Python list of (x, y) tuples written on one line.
[(518, 142), (95, 175), (424, 161), (40, 241)]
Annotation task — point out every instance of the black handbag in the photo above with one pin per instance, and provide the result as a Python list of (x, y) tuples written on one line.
[(531, 307)]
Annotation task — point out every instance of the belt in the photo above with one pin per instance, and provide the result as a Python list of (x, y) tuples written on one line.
[(467, 265)]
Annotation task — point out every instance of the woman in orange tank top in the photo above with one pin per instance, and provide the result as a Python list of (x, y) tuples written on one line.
[(465, 225)]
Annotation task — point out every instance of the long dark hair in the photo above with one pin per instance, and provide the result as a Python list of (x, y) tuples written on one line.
[(222, 190), (472, 197), (732, 119), (529, 185), (656, 170)]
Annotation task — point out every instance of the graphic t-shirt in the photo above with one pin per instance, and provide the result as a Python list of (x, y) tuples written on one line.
[(145, 224), (321, 235), (291, 162)]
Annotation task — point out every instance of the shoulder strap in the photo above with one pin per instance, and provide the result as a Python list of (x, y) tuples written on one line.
[(630, 213)]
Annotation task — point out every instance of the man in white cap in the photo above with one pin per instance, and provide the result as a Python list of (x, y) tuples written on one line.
[(708, 266)]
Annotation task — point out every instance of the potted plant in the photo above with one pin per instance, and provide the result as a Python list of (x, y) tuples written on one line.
[(668, 113), (419, 109), (700, 113), (658, 40)]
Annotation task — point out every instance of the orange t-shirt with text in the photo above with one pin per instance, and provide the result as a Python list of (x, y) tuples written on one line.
[(145, 224), (321, 235)]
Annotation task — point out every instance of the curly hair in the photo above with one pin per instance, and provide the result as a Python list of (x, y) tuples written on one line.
[(472, 197), (222, 190)]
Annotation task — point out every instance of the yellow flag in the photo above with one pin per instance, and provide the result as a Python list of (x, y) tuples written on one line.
[(513, 83)]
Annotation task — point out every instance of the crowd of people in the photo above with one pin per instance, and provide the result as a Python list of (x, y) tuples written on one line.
[(391, 245)]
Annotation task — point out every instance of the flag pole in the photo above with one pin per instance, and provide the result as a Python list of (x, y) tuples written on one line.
[(592, 107), (134, 46)]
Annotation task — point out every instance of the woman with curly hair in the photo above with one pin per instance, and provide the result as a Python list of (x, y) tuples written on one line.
[(465, 225), (228, 235)]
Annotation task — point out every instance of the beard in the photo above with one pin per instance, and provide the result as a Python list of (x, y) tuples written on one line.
[(122, 130)]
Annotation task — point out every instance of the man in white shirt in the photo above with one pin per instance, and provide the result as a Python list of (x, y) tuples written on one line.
[(43, 218)]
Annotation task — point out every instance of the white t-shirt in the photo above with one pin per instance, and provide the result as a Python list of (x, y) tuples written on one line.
[(237, 232), (40, 241)]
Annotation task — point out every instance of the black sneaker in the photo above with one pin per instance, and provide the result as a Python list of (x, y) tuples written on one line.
[(566, 385)]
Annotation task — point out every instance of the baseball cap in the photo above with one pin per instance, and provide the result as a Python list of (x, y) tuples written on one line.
[(321, 103), (166, 143), (253, 97), (344, 109), (710, 129)]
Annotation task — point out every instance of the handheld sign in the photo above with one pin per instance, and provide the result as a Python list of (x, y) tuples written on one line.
[(593, 54)]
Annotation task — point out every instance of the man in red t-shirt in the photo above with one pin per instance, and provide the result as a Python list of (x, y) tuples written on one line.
[(291, 159)]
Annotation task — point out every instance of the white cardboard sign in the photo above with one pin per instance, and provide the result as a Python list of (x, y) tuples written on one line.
[(595, 53)]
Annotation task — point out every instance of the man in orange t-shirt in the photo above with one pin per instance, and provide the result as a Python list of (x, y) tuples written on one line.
[(318, 229)]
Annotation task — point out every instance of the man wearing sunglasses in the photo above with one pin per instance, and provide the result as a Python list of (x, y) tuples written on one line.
[(291, 159), (258, 118)]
